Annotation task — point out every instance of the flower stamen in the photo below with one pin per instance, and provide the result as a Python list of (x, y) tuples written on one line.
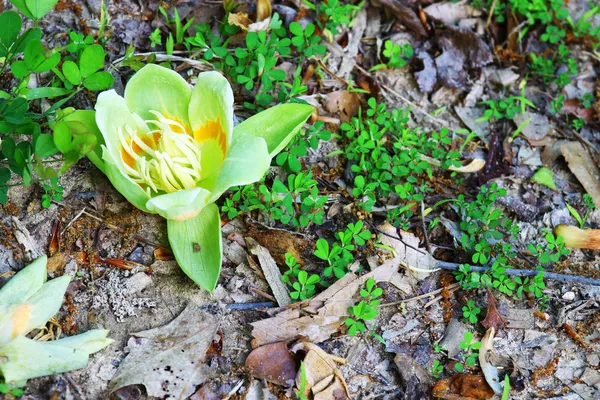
[(166, 159)]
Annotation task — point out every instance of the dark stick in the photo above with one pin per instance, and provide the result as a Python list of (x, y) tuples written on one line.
[(249, 306), (526, 272), (509, 271)]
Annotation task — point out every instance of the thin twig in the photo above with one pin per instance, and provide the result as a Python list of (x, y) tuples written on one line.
[(249, 306), (526, 272), (422, 296)]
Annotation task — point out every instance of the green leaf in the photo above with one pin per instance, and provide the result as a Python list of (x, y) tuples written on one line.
[(99, 81), (197, 246), (62, 137), (21, 6), (92, 60), (277, 125), (11, 26), (544, 176), (39, 8), (46, 92), (25, 38), (44, 146), (19, 69), (71, 72), (88, 119)]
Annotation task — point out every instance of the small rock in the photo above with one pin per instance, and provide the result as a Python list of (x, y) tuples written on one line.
[(593, 359), (537, 339), (570, 296), (454, 335), (136, 283), (591, 377), (538, 126)]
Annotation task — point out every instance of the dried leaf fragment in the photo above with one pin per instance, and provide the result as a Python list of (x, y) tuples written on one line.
[(272, 362), (583, 167), (493, 319), (463, 387)]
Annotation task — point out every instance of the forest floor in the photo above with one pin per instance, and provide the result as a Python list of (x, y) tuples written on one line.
[(410, 173)]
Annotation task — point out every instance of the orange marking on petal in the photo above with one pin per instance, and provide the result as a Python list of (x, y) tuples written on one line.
[(20, 318), (212, 129), (176, 128)]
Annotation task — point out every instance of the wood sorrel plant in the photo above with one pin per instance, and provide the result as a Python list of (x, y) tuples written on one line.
[(172, 150)]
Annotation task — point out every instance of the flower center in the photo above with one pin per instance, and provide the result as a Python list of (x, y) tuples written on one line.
[(166, 159)]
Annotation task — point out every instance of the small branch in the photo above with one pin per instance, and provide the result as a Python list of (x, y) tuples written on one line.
[(526, 272), (249, 306)]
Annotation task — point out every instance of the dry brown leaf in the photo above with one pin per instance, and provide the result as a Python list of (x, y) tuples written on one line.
[(463, 387), (419, 263), (240, 20), (451, 13), (345, 102), (272, 362), (56, 263), (271, 272), (327, 311), (163, 254), (493, 317), (583, 167), (54, 245), (168, 360), (322, 375)]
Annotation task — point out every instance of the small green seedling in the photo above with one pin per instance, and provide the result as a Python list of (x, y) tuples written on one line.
[(365, 310), (470, 349), (471, 312), (588, 205)]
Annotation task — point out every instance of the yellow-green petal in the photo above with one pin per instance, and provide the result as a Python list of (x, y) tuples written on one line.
[(24, 284), (211, 119), (247, 162), (180, 205), (112, 114), (33, 313), (24, 358), (277, 125), (124, 185), (198, 247), (156, 88)]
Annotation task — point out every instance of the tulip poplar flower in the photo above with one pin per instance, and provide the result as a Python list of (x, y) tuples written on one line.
[(27, 302), (172, 150)]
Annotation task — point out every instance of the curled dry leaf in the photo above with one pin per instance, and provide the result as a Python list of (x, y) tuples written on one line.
[(462, 50), (272, 362), (490, 372), (54, 245), (240, 20), (163, 254), (345, 102), (427, 77), (462, 387), (271, 272), (406, 14), (451, 13), (493, 319), (584, 168), (419, 263), (323, 378), (263, 9)]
